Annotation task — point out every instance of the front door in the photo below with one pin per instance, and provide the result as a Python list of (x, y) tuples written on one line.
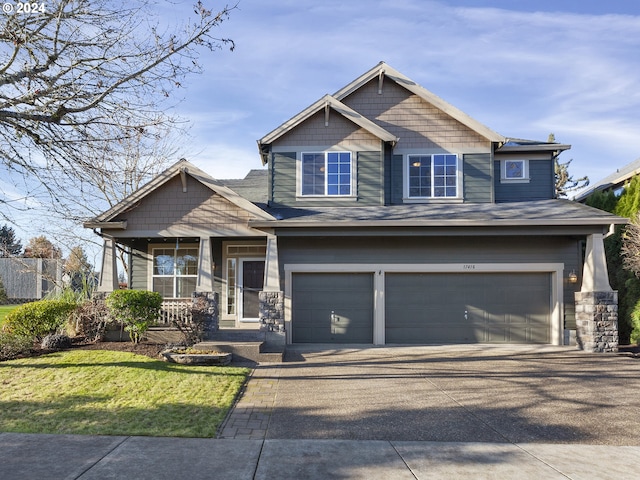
[(250, 283)]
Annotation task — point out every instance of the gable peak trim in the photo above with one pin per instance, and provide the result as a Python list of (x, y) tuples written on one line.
[(388, 71)]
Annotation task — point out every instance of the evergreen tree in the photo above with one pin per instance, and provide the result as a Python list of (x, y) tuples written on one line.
[(620, 278), (10, 246), (564, 180)]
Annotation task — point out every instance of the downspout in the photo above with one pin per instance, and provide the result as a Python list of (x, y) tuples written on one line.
[(612, 230)]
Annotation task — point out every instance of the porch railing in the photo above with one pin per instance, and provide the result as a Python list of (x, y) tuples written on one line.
[(174, 310)]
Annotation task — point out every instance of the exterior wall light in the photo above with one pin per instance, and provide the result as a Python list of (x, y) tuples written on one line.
[(573, 277)]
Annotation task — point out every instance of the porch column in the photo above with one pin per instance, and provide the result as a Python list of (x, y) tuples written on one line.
[(596, 302), (109, 271), (204, 282), (271, 266), (595, 277), (271, 297)]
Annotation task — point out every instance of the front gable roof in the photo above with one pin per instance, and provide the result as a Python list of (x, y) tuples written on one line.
[(383, 70), (325, 102), (182, 169)]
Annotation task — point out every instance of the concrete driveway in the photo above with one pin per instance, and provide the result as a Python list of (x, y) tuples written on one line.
[(455, 394)]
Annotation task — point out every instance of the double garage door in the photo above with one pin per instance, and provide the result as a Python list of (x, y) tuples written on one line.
[(423, 308)]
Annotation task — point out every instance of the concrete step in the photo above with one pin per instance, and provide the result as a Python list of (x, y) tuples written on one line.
[(243, 351)]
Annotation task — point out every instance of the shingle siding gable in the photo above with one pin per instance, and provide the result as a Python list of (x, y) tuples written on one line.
[(196, 209), (417, 123), (340, 132)]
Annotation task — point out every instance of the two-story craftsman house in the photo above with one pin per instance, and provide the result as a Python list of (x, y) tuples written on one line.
[(386, 216)]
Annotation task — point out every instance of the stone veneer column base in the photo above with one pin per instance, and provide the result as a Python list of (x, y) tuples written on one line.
[(211, 311), (597, 321), (271, 311)]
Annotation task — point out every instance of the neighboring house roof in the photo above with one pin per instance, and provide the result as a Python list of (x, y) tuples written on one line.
[(552, 212), (617, 179), (181, 168), (324, 103)]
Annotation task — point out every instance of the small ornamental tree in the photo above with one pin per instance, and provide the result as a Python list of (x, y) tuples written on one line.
[(136, 309)]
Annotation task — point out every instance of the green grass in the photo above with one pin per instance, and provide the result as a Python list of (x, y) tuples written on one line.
[(114, 393), (4, 311)]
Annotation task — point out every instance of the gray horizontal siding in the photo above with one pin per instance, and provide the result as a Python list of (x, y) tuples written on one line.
[(396, 181), (540, 186), (477, 178), (283, 179), (369, 187), (370, 178), (139, 270), (411, 250)]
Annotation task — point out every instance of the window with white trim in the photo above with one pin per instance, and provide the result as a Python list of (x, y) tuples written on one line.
[(433, 176), (175, 271), (327, 174), (514, 170)]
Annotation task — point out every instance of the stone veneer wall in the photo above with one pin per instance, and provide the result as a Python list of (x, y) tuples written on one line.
[(597, 321), (272, 311)]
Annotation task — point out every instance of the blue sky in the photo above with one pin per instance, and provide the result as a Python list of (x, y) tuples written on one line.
[(523, 68)]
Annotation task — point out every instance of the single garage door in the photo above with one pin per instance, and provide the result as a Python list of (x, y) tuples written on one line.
[(426, 308), (332, 308)]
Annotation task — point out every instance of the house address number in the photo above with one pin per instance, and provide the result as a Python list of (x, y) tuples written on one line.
[(468, 266)]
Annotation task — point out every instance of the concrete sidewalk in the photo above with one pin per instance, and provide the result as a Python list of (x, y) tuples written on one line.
[(68, 457), (388, 413)]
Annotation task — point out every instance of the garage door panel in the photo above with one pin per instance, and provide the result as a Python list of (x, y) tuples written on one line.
[(332, 308), (467, 308)]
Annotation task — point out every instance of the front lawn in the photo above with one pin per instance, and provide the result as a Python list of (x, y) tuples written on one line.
[(4, 311), (114, 393)]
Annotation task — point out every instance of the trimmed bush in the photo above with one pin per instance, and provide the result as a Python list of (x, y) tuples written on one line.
[(136, 309), (12, 346), (36, 319)]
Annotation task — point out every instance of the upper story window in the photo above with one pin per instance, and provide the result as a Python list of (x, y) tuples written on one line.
[(175, 271), (327, 173), (514, 171), (433, 176)]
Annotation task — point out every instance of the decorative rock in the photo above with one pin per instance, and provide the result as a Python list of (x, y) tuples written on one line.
[(217, 358), (56, 342)]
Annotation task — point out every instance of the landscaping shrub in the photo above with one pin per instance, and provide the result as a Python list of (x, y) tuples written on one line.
[(90, 319), (635, 324), (12, 346), (36, 319), (193, 326), (136, 309)]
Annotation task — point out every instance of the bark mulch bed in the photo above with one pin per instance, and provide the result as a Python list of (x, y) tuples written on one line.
[(143, 348)]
